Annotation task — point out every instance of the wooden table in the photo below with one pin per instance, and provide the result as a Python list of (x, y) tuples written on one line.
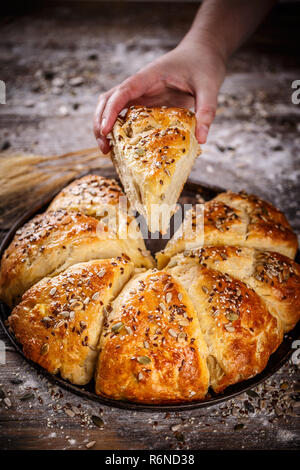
[(254, 145)]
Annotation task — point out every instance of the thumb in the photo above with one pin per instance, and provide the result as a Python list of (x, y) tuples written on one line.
[(206, 105)]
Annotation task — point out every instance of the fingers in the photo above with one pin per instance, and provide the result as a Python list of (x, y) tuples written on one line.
[(102, 100), (128, 91), (103, 144), (206, 105)]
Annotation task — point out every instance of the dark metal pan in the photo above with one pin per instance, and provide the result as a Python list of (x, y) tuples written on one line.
[(277, 359)]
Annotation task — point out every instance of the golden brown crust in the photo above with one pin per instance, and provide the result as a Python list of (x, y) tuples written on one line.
[(240, 332), (267, 227), (103, 198), (59, 319), (89, 195), (274, 277), (153, 151), (152, 350), (238, 220), (53, 241)]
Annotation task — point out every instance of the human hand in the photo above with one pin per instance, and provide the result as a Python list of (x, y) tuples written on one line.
[(188, 76)]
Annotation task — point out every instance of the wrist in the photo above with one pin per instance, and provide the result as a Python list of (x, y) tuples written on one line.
[(205, 42)]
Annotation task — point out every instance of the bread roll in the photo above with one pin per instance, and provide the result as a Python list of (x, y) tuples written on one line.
[(103, 198), (59, 319), (274, 277), (153, 152), (152, 349), (238, 328), (91, 195), (233, 219), (53, 241)]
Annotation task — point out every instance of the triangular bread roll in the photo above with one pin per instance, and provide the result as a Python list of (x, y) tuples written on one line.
[(59, 319), (153, 151)]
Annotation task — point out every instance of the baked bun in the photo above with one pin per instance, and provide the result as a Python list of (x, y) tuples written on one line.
[(152, 349), (238, 328), (233, 219), (53, 241), (91, 195), (153, 152), (104, 199), (274, 277), (59, 319)]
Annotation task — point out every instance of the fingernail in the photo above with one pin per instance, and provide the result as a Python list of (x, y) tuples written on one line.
[(202, 133), (103, 122)]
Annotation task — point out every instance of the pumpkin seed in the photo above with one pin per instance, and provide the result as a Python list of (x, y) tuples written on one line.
[(97, 421), (232, 316), (44, 349), (117, 327), (144, 360), (27, 396)]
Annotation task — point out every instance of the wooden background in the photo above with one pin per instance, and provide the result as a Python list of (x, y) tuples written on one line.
[(54, 62)]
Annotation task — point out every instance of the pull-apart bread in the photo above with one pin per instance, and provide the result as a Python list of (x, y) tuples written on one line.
[(55, 240), (153, 152), (59, 319), (152, 348), (211, 318), (233, 219)]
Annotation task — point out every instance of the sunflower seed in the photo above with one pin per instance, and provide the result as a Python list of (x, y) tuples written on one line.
[(7, 402), (128, 330), (101, 272), (52, 291), (69, 413), (229, 328), (168, 297), (172, 333), (182, 336), (95, 296), (90, 444), (140, 376)]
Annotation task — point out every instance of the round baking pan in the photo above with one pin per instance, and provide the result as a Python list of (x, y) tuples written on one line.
[(190, 194)]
